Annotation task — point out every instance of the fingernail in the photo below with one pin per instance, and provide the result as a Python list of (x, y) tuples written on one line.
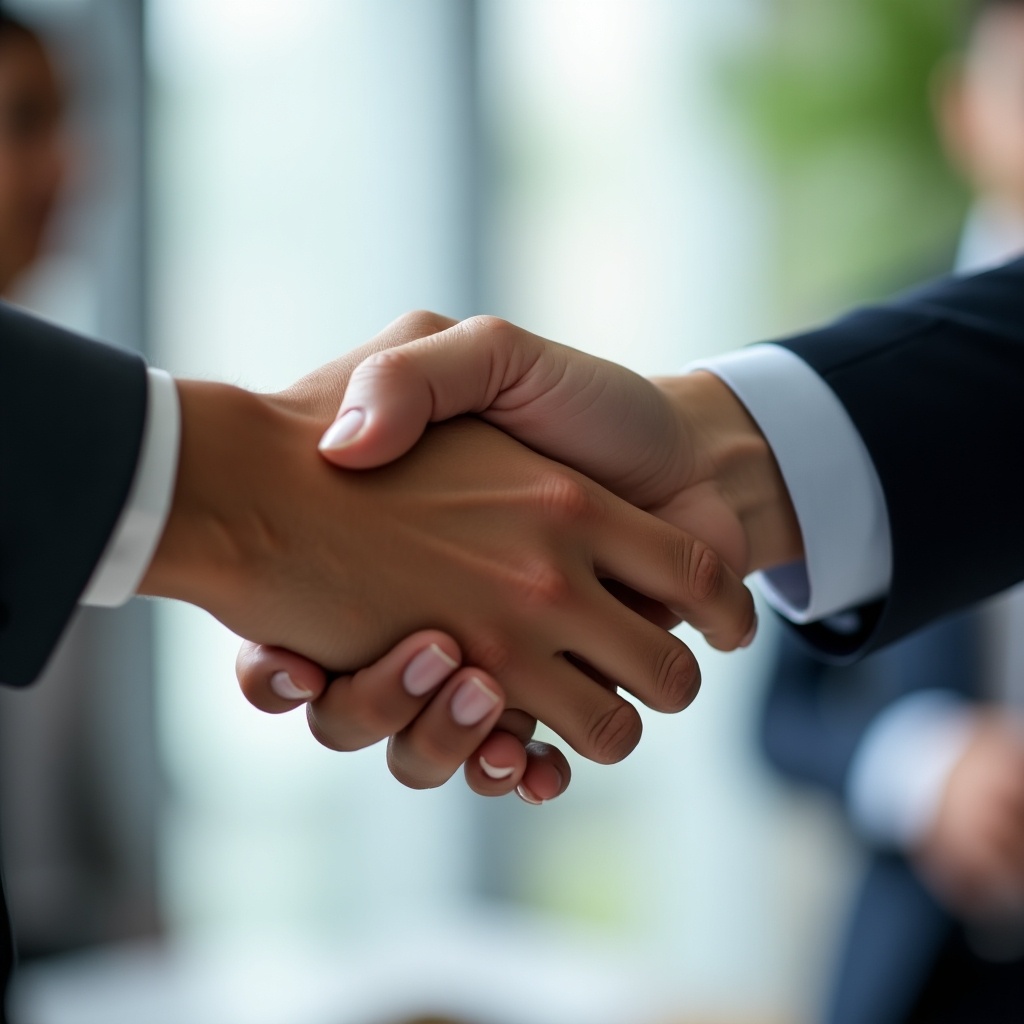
[(429, 668), (527, 795), (749, 638), (343, 431), (284, 686), (472, 702), (493, 771)]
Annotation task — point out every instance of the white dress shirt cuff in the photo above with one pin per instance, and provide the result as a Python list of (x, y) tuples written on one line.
[(902, 766), (831, 479), (141, 524)]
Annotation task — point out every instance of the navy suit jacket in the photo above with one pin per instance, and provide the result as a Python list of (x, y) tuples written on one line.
[(814, 717), (934, 383)]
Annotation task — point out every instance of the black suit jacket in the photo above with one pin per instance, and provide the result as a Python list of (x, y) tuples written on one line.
[(934, 383), (71, 420), (814, 718)]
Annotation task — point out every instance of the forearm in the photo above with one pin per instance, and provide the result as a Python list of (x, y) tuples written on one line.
[(200, 552)]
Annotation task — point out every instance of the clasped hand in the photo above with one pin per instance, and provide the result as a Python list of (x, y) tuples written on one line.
[(474, 547)]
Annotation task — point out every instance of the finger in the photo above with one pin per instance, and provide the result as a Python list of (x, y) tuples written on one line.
[(497, 766), (320, 392), (275, 680), (447, 732), (631, 652), (393, 395), (678, 570), (651, 610), (518, 723), (357, 711), (547, 774), (537, 773), (591, 718)]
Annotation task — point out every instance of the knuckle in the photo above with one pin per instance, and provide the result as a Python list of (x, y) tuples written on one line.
[(419, 323), (542, 584), (488, 326), (563, 498), (426, 762), (677, 678), (499, 335), (706, 575), (372, 720), (488, 650), (404, 774), (614, 733), (391, 360), (324, 736)]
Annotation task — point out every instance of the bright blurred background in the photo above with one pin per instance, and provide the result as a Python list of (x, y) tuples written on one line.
[(260, 185)]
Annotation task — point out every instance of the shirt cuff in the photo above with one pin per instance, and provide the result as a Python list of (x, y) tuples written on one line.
[(902, 766), (831, 479), (141, 524)]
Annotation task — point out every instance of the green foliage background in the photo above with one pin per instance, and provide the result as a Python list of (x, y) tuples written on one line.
[(838, 98)]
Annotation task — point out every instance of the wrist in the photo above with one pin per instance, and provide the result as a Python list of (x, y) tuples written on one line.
[(216, 533), (729, 453)]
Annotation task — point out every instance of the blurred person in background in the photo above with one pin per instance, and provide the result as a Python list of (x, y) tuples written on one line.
[(923, 744), (32, 160)]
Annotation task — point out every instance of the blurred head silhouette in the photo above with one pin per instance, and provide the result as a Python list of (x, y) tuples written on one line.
[(31, 151), (981, 105)]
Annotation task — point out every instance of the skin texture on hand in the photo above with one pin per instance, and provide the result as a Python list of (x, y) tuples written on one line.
[(470, 533), (686, 450), (683, 448), (973, 854)]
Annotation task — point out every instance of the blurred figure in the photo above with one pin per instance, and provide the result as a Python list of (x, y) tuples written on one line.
[(78, 771), (923, 744), (31, 149)]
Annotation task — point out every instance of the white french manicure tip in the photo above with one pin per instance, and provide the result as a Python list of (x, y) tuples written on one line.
[(527, 797), (284, 686), (445, 657), (494, 772)]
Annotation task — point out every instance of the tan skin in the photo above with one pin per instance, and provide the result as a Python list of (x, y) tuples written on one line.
[(471, 532), (32, 158), (686, 451)]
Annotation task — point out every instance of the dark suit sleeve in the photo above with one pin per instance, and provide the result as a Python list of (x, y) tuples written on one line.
[(71, 419), (934, 383)]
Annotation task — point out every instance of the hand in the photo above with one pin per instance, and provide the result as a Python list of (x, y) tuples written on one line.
[(470, 532), (689, 451), (973, 854), (408, 697), (683, 448)]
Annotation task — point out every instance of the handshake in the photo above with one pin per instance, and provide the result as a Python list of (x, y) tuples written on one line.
[(502, 528)]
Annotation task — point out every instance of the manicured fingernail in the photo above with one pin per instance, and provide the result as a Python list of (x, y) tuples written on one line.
[(428, 669), (527, 795), (749, 638), (473, 702), (493, 771), (284, 686), (343, 431)]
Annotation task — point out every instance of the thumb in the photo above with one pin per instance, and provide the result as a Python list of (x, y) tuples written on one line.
[(393, 395)]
